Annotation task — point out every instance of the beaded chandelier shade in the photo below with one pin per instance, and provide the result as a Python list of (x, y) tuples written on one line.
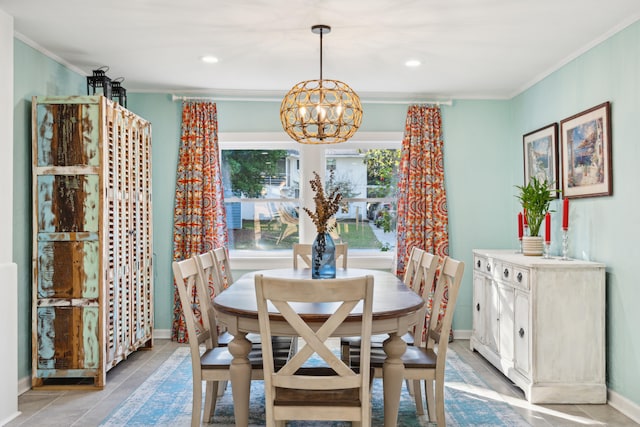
[(321, 111)]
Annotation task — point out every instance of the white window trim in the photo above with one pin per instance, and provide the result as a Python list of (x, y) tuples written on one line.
[(253, 260)]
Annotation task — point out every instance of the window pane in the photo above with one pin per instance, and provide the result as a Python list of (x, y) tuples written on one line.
[(261, 173), (261, 198), (368, 181)]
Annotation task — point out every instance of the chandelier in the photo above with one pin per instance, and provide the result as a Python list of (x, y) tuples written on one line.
[(321, 111)]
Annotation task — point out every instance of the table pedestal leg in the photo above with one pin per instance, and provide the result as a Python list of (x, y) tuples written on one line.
[(240, 372), (392, 376)]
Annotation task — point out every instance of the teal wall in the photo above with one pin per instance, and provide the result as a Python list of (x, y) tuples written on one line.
[(34, 74), (483, 162)]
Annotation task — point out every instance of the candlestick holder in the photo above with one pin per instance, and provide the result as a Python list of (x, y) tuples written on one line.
[(547, 245), (526, 230), (519, 251), (565, 244)]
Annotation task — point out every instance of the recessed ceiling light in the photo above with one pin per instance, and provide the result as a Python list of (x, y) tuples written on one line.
[(209, 59), (412, 63)]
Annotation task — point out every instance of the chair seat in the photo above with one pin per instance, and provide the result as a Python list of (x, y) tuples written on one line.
[(220, 358), (413, 357), (349, 397)]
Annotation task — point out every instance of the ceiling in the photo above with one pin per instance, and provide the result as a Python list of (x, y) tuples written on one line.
[(467, 48)]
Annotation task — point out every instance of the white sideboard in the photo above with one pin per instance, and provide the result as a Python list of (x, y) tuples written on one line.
[(542, 323)]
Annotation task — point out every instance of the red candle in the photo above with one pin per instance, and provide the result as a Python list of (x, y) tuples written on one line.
[(565, 214), (520, 226), (547, 228), (526, 223)]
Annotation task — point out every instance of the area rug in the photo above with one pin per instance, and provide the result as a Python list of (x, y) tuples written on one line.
[(164, 399)]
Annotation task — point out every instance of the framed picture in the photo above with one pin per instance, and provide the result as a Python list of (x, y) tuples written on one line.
[(540, 149), (586, 153)]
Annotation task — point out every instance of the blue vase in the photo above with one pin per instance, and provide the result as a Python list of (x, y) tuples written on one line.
[(323, 257)]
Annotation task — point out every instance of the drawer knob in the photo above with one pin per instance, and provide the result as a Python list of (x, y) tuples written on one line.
[(519, 277), (506, 273), (478, 263), (488, 267), (521, 332), (478, 307)]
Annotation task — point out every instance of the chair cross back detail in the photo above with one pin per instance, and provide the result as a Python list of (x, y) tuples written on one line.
[(315, 340)]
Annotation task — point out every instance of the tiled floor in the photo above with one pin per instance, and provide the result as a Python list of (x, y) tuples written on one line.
[(84, 408)]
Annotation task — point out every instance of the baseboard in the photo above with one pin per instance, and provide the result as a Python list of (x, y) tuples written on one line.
[(462, 334), (24, 385), (10, 418), (624, 405), (162, 334)]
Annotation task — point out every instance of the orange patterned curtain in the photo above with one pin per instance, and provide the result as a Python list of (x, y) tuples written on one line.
[(199, 221), (422, 201)]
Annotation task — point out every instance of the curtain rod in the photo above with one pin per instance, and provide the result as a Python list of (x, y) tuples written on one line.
[(175, 98)]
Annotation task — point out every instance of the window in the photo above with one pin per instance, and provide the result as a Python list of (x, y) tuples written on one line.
[(263, 197)]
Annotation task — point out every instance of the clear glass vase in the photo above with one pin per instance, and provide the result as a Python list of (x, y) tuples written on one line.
[(323, 257)]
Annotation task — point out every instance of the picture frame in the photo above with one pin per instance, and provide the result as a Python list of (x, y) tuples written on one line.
[(585, 139), (540, 151)]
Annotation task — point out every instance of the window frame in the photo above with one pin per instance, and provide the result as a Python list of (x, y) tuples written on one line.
[(312, 157)]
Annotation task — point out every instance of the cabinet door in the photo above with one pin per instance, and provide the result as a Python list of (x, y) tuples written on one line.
[(493, 316), (522, 335), (479, 291), (506, 294)]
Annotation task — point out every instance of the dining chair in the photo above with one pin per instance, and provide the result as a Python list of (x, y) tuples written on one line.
[(212, 365), (425, 360), (412, 278), (215, 265), (324, 393), (303, 251)]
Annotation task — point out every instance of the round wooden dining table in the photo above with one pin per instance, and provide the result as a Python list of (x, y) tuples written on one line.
[(395, 311)]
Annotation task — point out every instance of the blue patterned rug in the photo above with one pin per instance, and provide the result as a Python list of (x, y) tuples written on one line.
[(164, 399)]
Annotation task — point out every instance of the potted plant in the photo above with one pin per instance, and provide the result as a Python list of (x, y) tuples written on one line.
[(535, 198)]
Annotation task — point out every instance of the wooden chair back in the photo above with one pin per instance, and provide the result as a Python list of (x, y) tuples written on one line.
[(208, 271), (223, 267), (298, 393), (424, 284), (448, 284), (413, 267), (303, 251)]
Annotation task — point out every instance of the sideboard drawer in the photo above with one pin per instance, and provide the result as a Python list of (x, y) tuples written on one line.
[(480, 264), (521, 278), (515, 276), (506, 272)]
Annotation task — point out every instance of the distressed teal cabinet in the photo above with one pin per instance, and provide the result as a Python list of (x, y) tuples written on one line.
[(92, 239)]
